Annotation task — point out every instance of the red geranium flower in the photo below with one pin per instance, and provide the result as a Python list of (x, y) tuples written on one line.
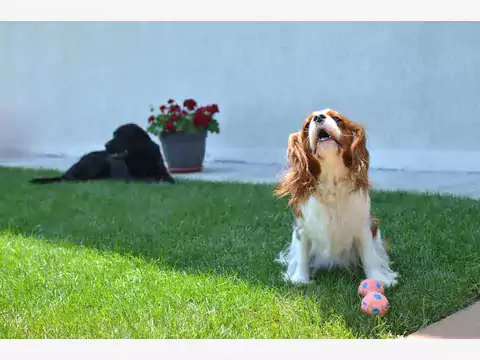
[(190, 104), (214, 109), (174, 109), (200, 118), (187, 116), (169, 126)]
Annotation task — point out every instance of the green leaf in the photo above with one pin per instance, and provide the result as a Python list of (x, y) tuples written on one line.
[(213, 126)]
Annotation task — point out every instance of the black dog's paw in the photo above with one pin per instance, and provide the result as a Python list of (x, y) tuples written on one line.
[(165, 178), (170, 179)]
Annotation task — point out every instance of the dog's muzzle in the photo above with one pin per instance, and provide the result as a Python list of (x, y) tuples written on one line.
[(120, 155)]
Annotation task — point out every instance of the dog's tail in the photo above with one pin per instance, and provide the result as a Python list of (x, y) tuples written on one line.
[(46, 180)]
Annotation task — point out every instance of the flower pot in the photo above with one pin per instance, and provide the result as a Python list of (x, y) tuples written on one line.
[(184, 152)]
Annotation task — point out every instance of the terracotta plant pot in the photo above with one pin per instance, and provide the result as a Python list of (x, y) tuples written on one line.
[(184, 152)]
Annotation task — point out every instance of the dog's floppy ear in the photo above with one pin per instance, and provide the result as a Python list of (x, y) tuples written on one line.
[(134, 139), (356, 156), (301, 177)]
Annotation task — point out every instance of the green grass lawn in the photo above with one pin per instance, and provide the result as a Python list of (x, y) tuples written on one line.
[(196, 260)]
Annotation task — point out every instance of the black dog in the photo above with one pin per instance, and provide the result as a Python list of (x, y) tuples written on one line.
[(130, 155)]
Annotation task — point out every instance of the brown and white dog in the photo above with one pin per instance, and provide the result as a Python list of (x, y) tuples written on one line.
[(328, 186)]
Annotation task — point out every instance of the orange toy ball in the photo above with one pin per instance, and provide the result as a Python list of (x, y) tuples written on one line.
[(369, 285), (375, 303)]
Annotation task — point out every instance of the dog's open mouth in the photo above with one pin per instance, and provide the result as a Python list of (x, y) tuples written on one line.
[(323, 136)]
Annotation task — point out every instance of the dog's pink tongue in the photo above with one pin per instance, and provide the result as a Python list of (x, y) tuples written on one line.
[(327, 144)]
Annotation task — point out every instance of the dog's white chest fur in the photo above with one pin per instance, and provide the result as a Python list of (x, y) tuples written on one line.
[(333, 226)]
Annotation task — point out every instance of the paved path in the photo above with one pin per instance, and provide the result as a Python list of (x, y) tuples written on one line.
[(462, 184), (464, 324)]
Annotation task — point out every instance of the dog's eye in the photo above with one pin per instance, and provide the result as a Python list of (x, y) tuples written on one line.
[(307, 125), (337, 119)]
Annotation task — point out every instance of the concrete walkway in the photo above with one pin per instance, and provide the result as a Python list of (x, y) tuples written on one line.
[(464, 324), (456, 183), (462, 184)]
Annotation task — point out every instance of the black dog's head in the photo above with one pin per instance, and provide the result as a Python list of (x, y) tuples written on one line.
[(128, 139), (142, 156)]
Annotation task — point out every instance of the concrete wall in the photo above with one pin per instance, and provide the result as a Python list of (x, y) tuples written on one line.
[(65, 86)]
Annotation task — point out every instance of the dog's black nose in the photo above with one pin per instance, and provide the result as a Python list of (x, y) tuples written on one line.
[(319, 118)]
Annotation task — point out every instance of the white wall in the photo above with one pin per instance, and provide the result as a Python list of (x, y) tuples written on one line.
[(64, 87)]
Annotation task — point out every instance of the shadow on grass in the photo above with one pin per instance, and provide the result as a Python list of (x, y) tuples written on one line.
[(238, 230)]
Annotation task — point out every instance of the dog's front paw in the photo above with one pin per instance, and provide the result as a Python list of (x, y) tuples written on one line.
[(297, 279), (386, 276)]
